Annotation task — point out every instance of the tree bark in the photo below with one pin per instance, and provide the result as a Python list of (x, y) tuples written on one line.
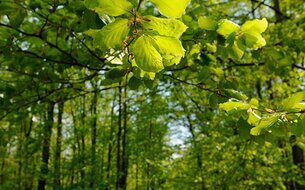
[(124, 143), (110, 143), (119, 139), (44, 168), (57, 155), (93, 138), (298, 160), (83, 148), (277, 9)]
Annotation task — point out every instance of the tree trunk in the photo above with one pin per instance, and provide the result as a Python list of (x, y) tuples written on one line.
[(123, 180), (93, 138), (28, 175), (298, 160), (83, 148), (119, 139), (277, 9), (44, 168), (109, 156), (57, 156)]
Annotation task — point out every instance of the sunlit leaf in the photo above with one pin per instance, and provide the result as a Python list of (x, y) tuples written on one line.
[(171, 8), (234, 106), (226, 27), (164, 27), (207, 24), (264, 124), (113, 8), (110, 36), (251, 33), (170, 48), (146, 55), (235, 94)]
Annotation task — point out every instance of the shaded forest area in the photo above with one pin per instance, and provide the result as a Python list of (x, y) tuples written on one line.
[(129, 94)]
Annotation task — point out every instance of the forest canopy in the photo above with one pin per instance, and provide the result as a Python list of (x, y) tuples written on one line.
[(152, 94)]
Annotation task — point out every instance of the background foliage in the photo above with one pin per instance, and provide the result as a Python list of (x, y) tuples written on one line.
[(127, 94)]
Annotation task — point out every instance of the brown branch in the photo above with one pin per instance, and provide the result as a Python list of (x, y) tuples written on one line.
[(198, 85)]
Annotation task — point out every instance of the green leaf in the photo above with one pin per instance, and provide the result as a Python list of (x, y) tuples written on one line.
[(207, 24), (17, 17), (116, 72), (254, 102), (234, 106), (110, 36), (146, 55), (298, 128), (213, 100), (235, 94), (256, 25), (253, 118), (113, 8), (235, 52), (264, 124), (251, 33), (171, 8), (243, 128), (226, 27), (134, 83), (170, 49), (164, 27), (294, 102)]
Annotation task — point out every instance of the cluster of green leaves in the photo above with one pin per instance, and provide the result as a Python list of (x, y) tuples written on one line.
[(264, 119), (147, 43), (236, 39)]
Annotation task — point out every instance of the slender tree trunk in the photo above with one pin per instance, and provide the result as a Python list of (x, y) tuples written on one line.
[(72, 167), (124, 144), (20, 153), (149, 167), (277, 9), (44, 168), (111, 131), (78, 144), (83, 144), (137, 171), (119, 139), (28, 175), (93, 138), (298, 160), (57, 155)]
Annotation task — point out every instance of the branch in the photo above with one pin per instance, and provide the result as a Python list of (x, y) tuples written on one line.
[(298, 66), (198, 85), (243, 65)]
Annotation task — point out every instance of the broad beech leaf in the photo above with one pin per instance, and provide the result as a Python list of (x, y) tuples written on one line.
[(146, 55), (226, 27), (207, 24), (235, 52), (134, 83), (170, 49), (171, 8), (256, 25), (294, 103), (234, 106), (254, 102), (251, 33), (164, 27), (298, 128), (116, 72), (110, 36), (253, 118), (235, 94), (113, 8), (140, 73), (264, 124)]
